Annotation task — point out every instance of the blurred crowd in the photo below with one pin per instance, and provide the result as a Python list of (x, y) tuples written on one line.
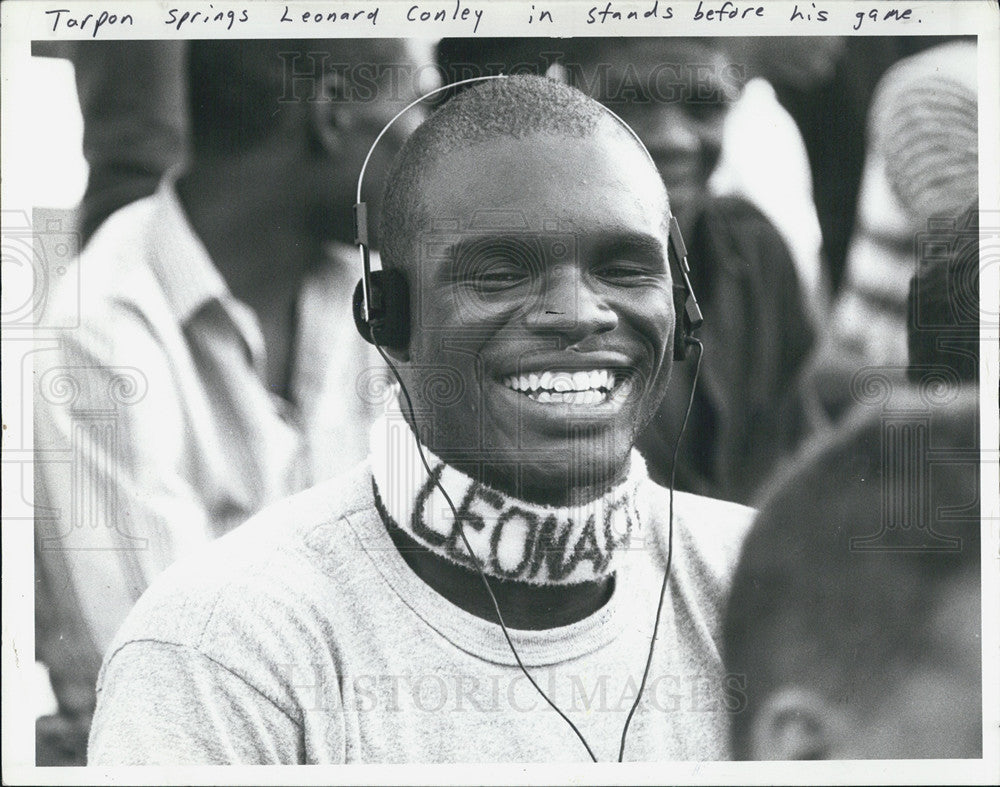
[(827, 191)]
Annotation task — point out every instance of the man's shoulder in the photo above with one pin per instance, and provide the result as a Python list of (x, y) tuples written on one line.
[(262, 574), (108, 278), (701, 511), (708, 533)]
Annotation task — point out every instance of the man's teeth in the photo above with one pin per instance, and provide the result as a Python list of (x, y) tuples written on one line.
[(569, 397), (591, 387)]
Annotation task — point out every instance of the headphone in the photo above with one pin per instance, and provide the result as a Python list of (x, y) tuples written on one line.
[(381, 308), (381, 304)]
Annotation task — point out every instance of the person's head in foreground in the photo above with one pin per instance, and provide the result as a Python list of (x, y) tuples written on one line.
[(854, 612)]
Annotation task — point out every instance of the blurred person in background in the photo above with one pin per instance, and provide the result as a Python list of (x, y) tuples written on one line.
[(215, 367), (676, 94), (135, 129), (921, 174), (826, 84), (860, 648), (132, 97), (764, 158)]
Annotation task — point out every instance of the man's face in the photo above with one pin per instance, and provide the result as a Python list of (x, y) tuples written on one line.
[(675, 93), (542, 308)]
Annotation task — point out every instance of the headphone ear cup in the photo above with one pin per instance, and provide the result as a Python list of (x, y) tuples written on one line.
[(392, 328), (681, 331), (358, 309), (389, 310)]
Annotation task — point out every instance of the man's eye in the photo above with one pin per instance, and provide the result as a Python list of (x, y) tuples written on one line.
[(495, 276), (627, 273), (499, 277)]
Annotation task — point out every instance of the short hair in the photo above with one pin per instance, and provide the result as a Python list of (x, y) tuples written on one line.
[(943, 319), (816, 602), (515, 107)]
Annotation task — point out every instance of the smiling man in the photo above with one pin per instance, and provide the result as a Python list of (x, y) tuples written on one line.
[(349, 623)]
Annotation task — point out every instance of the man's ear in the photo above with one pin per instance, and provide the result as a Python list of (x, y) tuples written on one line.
[(329, 116), (794, 724)]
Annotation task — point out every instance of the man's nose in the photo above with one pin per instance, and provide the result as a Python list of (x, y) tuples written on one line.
[(571, 305)]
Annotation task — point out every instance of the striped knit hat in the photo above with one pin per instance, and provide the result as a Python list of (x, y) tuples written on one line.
[(924, 119)]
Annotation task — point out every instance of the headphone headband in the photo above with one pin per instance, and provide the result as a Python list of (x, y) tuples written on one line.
[(371, 313), (361, 209)]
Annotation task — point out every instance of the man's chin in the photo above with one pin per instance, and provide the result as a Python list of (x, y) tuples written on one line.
[(577, 481), (557, 472)]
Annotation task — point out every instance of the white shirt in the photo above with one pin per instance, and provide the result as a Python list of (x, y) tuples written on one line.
[(304, 637), (154, 429)]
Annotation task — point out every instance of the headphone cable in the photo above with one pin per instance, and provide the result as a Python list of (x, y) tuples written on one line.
[(362, 240), (489, 590), (475, 558), (670, 549)]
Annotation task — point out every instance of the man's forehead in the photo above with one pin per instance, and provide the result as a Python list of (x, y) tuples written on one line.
[(503, 224), (534, 159), (586, 187)]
